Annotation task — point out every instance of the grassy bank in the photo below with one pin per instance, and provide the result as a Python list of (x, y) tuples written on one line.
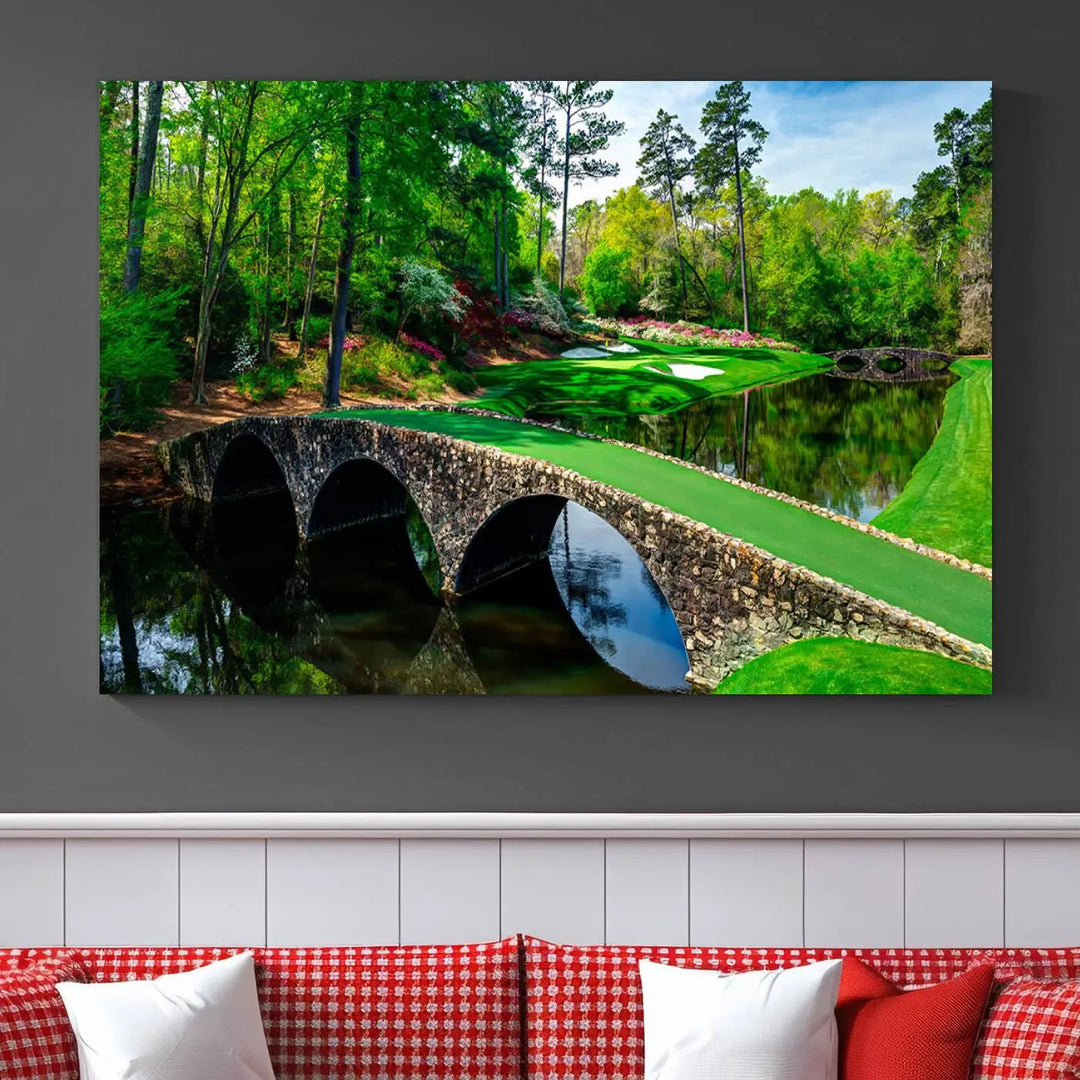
[(843, 666), (950, 597), (625, 384), (947, 501)]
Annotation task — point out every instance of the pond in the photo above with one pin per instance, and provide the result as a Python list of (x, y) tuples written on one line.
[(846, 444), (195, 601), (224, 600)]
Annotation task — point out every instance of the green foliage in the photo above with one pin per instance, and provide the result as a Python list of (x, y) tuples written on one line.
[(318, 328), (607, 282), (428, 386), (265, 383), (843, 666), (137, 359)]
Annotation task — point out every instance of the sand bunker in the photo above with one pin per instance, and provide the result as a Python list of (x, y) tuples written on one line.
[(585, 354), (622, 346), (689, 371)]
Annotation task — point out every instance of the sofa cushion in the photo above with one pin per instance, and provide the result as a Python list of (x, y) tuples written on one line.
[(927, 1033), (1032, 1032), (36, 1039), (583, 1002), (173, 1027), (382, 1012), (752, 1025)]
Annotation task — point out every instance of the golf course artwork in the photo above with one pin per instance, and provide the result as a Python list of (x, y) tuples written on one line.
[(545, 387)]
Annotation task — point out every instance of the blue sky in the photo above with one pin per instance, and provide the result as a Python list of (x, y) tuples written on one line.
[(825, 135)]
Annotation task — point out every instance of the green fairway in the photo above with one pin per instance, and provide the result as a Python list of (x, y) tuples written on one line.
[(952, 598), (947, 502), (843, 666), (628, 384)]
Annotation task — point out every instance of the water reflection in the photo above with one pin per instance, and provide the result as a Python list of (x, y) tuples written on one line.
[(845, 444), (221, 601)]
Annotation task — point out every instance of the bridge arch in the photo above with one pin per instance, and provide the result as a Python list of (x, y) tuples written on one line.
[(595, 576), (251, 499), (361, 491), (248, 468)]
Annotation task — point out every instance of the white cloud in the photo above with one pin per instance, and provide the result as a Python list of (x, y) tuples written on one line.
[(825, 135)]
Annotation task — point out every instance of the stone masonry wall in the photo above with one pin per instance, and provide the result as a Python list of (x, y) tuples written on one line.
[(731, 600)]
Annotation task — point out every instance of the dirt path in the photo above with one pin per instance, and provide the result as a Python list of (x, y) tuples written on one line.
[(128, 469)]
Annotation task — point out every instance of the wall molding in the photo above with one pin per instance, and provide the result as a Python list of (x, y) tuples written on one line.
[(273, 825)]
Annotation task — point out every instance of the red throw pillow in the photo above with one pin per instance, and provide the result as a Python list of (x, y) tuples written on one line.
[(1031, 1033), (891, 1034), (36, 1038)]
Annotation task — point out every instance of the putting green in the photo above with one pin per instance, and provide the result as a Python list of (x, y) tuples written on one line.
[(630, 383), (952, 598)]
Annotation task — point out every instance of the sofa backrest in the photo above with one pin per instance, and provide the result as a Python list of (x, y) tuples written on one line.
[(583, 1018), (384, 1013)]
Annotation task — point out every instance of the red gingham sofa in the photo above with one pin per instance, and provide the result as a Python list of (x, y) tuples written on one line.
[(523, 1008)]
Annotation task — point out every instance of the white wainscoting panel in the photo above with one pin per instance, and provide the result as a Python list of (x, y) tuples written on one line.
[(31, 892), (332, 892), (1042, 892), (647, 892), (954, 893), (554, 889), (222, 892), (745, 892), (885, 880), (449, 891), (854, 893), (122, 892)]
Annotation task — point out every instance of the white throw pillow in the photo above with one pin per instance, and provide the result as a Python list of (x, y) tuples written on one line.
[(202, 1024), (756, 1025)]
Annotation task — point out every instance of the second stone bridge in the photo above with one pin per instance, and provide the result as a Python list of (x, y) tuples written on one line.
[(490, 511)]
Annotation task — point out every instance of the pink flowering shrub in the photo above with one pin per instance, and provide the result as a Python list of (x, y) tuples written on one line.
[(352, 341), (422, 347), (695, 335)]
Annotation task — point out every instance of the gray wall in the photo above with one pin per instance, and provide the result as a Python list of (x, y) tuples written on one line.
[(62, 747)]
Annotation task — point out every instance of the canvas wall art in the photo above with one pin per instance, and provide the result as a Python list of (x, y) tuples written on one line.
[(545, 387)]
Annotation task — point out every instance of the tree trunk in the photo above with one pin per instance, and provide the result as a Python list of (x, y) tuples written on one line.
[(678, 246), (742, 240), (142, 187), (565, 196), (290, 249), (332, 388), (498, 255), (311, 280), (134, 170)]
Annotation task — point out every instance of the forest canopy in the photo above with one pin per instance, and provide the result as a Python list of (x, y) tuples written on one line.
[(335, 232)]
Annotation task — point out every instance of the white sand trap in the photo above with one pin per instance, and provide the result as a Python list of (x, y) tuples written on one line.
[(585, 354), (689, 371), (621, 347)]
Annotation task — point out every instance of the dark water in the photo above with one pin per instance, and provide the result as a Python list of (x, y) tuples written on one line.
[(227, 602), (845, 444)]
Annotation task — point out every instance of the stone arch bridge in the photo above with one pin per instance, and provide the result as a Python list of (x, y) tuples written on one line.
[(490, 511), (890, 364)]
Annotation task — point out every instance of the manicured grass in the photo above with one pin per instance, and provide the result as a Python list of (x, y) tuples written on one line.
[(623, 385), (947, 501), (843, 666), (946, 595)]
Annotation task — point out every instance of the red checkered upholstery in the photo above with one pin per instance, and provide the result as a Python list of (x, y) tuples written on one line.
[(36, 1040), (444, 1012), (1036, 963), (583, 1002), (1032, 1032)]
